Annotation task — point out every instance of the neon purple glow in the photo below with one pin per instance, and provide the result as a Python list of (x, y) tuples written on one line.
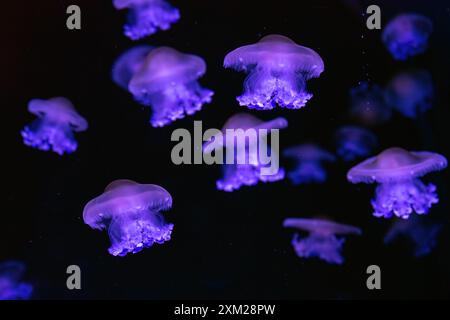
[(400, 191), (309, 163), (131, 213), (407, 35), (368, 104), (168, 82), (57, 118), (322, 241), (11, 285), (278, 69), (145, 17), (354, 142)]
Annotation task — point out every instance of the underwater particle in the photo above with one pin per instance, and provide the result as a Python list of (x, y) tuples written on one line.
[(322, 241), (397, 171), (354, 142), (11, 285), (278, 69), (167, 81), (131, 213), (53, 129)]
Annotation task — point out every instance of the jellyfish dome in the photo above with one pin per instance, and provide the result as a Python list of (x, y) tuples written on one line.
[(309, 163), (407, 35), (278, 69), (53, 129), (322, 241), (400, 192), (354, 142), (410, 92), (132, 214), (145, 17), (167, 81), (11, 285)]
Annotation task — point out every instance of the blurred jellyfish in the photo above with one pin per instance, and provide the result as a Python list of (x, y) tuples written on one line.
[(147, 16), (322, 241), (407, 35), (278, 69), (410, 93), (397, 171), (309, 166), (168, 82), (354, 142), (57, 118), (11, 285), (131, 213)]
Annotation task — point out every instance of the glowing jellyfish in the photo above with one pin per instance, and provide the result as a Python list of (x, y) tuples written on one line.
[(147, 16), (322, 241), (131, 213), (168, 82), (57, 118), (11, 285), (309, 167), (410, 93), (354, 142), (278, 70), (407, 35), (400, 191)]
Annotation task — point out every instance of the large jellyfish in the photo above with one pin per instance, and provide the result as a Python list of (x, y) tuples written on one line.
[(407, 35), (309, 167), (147, 16), (354, 142), (168, 82), (131, 213), (410, 92), (57, 118), (278, 70), (322, 241), (11, 285), (397, 171)]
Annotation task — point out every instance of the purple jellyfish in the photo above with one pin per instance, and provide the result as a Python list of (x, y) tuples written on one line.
[(11, 285), (57, 118), (309, 160), (410, 93), (322, 241), (278, 70), (168, 82), (354, 142), (400, 191), (407, 35), (131, 213), (147, 16)]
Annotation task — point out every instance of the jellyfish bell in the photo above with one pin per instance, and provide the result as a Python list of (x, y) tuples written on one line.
[(11, 285), (320, 226), (353, 142)]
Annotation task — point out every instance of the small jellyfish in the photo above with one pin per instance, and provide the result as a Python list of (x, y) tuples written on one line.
[(309, 166), (407, 35), (167, 81), (11, 285), (410, 92), (278, 69), (354, 142), (57, 118), (131, 213), (322, 241), (397, 171), (147, 16)]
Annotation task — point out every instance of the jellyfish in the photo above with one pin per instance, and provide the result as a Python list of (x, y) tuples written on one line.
[(147, 16), (131, 213), (354, 142), (407, 35), (11, 285), (322, 241), (168, 82), (309, 160), (400, 192), (278, 69), (410, 92), (57, 118)]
